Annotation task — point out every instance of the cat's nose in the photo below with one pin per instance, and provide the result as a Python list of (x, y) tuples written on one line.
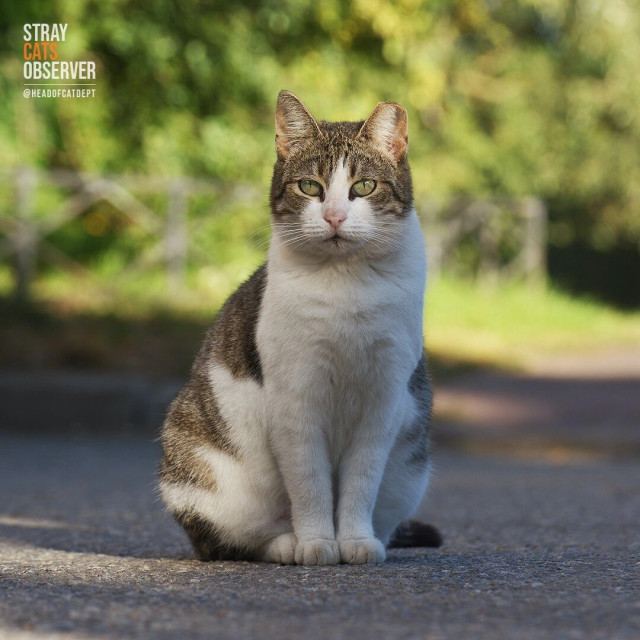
[(335, 218)]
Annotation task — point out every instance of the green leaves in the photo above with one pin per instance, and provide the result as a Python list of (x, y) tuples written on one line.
[(505, 98)]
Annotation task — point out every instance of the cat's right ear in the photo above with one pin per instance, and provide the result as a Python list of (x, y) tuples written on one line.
[(387, 129), (294, 123)]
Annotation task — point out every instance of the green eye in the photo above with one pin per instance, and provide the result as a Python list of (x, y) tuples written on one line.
[(310, 187), (363, 188)]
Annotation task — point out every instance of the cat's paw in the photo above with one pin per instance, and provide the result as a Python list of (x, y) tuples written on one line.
[(362, 551), (317, 551), (282, 549)]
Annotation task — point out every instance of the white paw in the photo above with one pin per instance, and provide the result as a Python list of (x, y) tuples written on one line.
[(317, 551), (281, 549), (362, 551)]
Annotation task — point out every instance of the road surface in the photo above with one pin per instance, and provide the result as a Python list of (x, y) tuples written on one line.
[(533, 549)]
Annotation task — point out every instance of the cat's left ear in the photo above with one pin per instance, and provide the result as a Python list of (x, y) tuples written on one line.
[(388, 129), (294, 123)]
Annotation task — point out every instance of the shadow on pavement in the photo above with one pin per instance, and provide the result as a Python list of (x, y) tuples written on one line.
[(506, 413), (136, 542)]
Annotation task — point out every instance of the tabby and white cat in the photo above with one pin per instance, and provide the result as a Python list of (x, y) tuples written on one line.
[(302, 435)]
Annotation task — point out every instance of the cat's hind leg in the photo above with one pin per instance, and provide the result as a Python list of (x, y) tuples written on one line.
[(207, 541), (406, 474), (209, 544), (281, 549), (403, 485), (231, 502), (233, 521)]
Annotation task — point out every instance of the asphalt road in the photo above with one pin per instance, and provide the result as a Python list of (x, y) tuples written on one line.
[(533, 549)]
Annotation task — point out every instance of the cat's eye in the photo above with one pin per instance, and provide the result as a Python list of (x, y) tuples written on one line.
[(363, 188), (310, 187)]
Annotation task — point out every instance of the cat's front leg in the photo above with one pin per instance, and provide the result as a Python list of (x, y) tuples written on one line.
[(361, 472), (360, 478), (303, 459)]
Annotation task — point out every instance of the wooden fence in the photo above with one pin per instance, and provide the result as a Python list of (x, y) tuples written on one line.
[(506, 236)]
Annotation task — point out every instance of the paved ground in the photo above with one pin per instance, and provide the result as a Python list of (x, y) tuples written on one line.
[(565, 406), (533, 550)]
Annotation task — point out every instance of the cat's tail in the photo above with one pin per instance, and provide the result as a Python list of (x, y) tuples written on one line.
[(412, 533)]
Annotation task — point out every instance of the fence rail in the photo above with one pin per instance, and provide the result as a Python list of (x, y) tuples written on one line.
[(505, 237), (489, 224)]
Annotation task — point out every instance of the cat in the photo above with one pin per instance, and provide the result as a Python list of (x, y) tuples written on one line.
[(302, 436)]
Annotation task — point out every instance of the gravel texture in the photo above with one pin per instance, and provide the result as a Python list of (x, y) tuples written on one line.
[(533, 548)]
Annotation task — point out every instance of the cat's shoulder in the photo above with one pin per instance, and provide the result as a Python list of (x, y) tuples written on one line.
[(246, 298), (231, 341)]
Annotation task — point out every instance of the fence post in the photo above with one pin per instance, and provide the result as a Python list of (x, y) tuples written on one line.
[(433, 236), (175, 245), (535, 240), (488, 263), (25, 236)]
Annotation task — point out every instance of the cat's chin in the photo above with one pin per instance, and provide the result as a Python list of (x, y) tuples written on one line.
[(333, 248), (339, 247)]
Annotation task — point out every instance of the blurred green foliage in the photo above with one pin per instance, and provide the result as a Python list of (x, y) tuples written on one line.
[(507, 97)]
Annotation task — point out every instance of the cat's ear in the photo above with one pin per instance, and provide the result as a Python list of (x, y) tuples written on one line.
[(387, 128), (293, 123)]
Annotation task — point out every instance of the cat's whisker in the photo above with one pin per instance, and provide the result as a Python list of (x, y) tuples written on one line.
[(258, 232), (295, 242), (293, 237)]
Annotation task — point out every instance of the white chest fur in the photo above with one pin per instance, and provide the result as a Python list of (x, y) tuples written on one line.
[(342, 336)]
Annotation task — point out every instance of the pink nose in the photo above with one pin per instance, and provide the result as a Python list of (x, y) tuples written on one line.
[(334, 218)]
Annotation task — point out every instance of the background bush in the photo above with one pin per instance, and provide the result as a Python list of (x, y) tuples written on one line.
[(506, 97)]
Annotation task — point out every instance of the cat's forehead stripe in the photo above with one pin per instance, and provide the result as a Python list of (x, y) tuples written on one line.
[(339, 181)]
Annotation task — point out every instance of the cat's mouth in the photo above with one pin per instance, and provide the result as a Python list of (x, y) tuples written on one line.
[(337, 240)]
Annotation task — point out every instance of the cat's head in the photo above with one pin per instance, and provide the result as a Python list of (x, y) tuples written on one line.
[(340, 188)]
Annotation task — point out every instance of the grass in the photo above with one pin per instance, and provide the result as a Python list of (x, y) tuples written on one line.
[(135, 324), (508, 325)]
